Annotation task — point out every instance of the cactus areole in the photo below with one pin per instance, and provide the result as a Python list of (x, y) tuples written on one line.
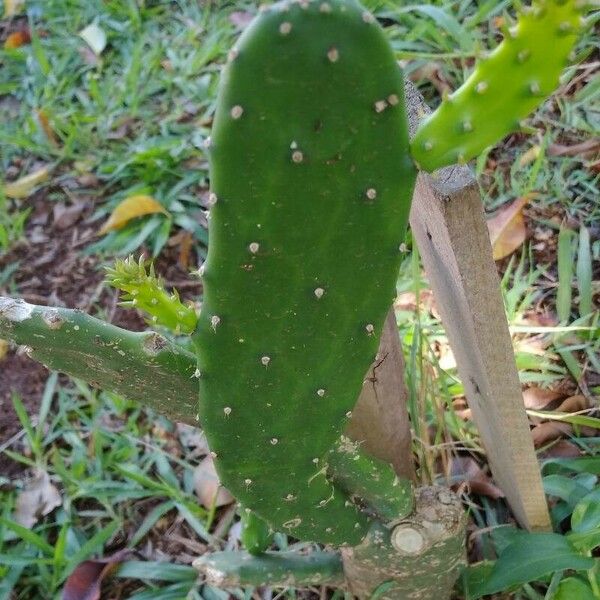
[(312, 178)]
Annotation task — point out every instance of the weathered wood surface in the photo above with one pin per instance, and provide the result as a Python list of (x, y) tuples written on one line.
[(380, 418), (448, 223)]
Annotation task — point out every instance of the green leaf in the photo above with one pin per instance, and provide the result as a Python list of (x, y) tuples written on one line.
[(529, 559), (473, 579), (28, 536), (585, 464), (565, 274), (573, 588), (584, 272), (157, 571), (585, 522)]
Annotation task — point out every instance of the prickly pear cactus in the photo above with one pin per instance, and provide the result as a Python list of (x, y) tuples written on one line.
[(311, 180), (504, 88)]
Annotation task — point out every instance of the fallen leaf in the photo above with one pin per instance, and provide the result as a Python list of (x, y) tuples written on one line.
[(38, 499), (549, 431), (65, 217), (3, 348), (185, 249), (537, 398), (562, 449), (21, 188), (94, 37), (507, 228), (464, 469), (44, 122), (85, 582), (529, 156), (208, 487), (130, 208), (17, 39), (573, 404), (241, 19), (13, 7), (590, 146)]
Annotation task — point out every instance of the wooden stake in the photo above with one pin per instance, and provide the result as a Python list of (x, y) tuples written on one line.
[(448, 223)]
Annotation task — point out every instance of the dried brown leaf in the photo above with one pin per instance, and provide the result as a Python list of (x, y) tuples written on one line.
[(22, 187), (536, 398), (208, 487), (464, 469), (241, 18), (39, 498), (549, 431), (17, 39), (585, 148), (573, 404), (507, 228), (85, 582), (130, 208)]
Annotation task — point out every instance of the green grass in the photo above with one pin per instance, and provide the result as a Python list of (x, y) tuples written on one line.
[(136, 118)]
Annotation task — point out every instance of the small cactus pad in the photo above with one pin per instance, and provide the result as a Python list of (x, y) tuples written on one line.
[(146, 292), (256, 535), (312, 182), (504, 87)]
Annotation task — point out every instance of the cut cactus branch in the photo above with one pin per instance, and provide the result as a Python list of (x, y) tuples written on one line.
[(504, 87), (139, 366), (275, 569), (311, 185)]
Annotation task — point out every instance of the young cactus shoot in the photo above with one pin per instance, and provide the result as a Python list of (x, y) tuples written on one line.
[(504, 87)]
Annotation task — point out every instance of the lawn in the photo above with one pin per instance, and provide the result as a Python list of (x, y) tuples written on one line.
[(102, 101)]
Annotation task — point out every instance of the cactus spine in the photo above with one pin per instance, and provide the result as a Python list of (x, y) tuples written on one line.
[(504, 88), (312, 179)]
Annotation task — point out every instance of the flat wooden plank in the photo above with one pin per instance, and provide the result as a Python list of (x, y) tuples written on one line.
[(380, 418), (448, 222)]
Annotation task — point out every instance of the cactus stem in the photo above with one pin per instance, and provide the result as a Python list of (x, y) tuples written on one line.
[(236, 112), (285, 28)]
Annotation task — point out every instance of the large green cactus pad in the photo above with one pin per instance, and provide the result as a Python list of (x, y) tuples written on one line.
[(140, 366), (312, 183), (504, 88)]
